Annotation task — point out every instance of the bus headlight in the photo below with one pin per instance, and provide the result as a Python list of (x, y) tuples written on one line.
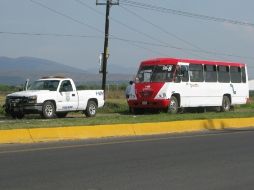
[(132, 96), (163, 95)]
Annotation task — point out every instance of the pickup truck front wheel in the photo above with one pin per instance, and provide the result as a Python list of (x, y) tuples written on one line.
[(91, 109), (48, 110)]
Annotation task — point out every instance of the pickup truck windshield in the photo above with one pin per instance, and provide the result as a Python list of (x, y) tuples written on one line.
[(50, 85), (156, 73)]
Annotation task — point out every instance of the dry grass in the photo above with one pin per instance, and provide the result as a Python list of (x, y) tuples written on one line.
[(115, 94)]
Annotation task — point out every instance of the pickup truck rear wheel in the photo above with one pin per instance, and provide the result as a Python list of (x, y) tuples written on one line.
[(91, 109), (48, 110)]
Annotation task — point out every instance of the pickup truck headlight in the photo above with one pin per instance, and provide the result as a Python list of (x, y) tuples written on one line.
[(32, 99)]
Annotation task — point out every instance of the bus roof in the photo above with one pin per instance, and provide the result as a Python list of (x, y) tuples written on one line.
[(174, 61)]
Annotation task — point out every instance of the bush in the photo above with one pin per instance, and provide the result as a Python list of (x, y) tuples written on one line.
[(5, 88), (2, 112)]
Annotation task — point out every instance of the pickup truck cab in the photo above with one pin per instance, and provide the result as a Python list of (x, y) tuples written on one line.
[(53, 97)]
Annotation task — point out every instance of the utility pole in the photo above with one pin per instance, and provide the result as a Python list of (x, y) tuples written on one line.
[(108, 4)]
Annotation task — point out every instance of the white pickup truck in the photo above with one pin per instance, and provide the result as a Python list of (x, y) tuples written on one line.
[(53, 97)]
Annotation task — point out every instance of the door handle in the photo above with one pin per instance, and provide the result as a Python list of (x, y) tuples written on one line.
[(73, 94)]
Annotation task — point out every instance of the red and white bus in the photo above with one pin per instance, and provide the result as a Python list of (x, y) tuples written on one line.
[(172, 83)]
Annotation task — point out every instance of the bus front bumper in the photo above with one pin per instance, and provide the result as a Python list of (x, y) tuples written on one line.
[(157, 104)]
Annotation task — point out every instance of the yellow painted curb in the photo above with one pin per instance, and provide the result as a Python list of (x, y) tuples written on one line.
[(100, 131)]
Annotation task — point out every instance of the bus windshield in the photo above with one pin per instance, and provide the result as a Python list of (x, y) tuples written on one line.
[(50, 85), (156, 73)]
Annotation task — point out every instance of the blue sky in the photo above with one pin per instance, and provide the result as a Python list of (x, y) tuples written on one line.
[(157, 37)]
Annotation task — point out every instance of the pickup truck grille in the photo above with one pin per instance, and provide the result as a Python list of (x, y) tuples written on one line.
[(16, 100)]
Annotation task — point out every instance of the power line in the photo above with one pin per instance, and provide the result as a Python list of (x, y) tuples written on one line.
[(83, 36), (161, 43), (132, 42), (79, 22), (132, 29), (121, 23), (184, 13), (160, 28), (67, 16), (50, 34), (135, 43)]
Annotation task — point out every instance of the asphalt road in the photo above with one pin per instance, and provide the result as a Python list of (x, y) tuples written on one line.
[(198, 161)]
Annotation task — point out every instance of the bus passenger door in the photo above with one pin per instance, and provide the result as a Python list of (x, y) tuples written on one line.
[(182, 84), (195, 88)]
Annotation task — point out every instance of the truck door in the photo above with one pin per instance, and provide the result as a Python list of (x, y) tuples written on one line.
[(67, 99)]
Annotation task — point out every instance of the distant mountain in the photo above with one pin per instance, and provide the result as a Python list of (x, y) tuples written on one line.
[(16, 70), (30, 63)]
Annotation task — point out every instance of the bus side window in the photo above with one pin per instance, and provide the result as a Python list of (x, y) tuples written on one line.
[(223, 74), (210, 73), (243, 75), (235, 74), (196, 73)]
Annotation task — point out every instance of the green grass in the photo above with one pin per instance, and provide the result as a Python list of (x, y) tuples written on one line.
[(115, 111), (115, 118), (114, 106)]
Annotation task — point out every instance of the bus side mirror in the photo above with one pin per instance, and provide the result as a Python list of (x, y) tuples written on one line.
[(180, 74)]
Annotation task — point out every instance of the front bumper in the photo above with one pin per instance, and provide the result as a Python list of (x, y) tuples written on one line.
[(157, 104), (21, 106)]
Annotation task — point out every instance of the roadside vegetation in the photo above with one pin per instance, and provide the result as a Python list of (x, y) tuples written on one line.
[(115, 111)]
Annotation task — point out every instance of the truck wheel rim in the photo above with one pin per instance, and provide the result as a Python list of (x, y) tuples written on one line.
[(92, 109), (49, 110)]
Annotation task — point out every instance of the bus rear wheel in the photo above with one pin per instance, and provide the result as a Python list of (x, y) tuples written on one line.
[(226, 104)]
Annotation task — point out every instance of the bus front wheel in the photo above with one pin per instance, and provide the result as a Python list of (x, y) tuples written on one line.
[(173, 106)]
